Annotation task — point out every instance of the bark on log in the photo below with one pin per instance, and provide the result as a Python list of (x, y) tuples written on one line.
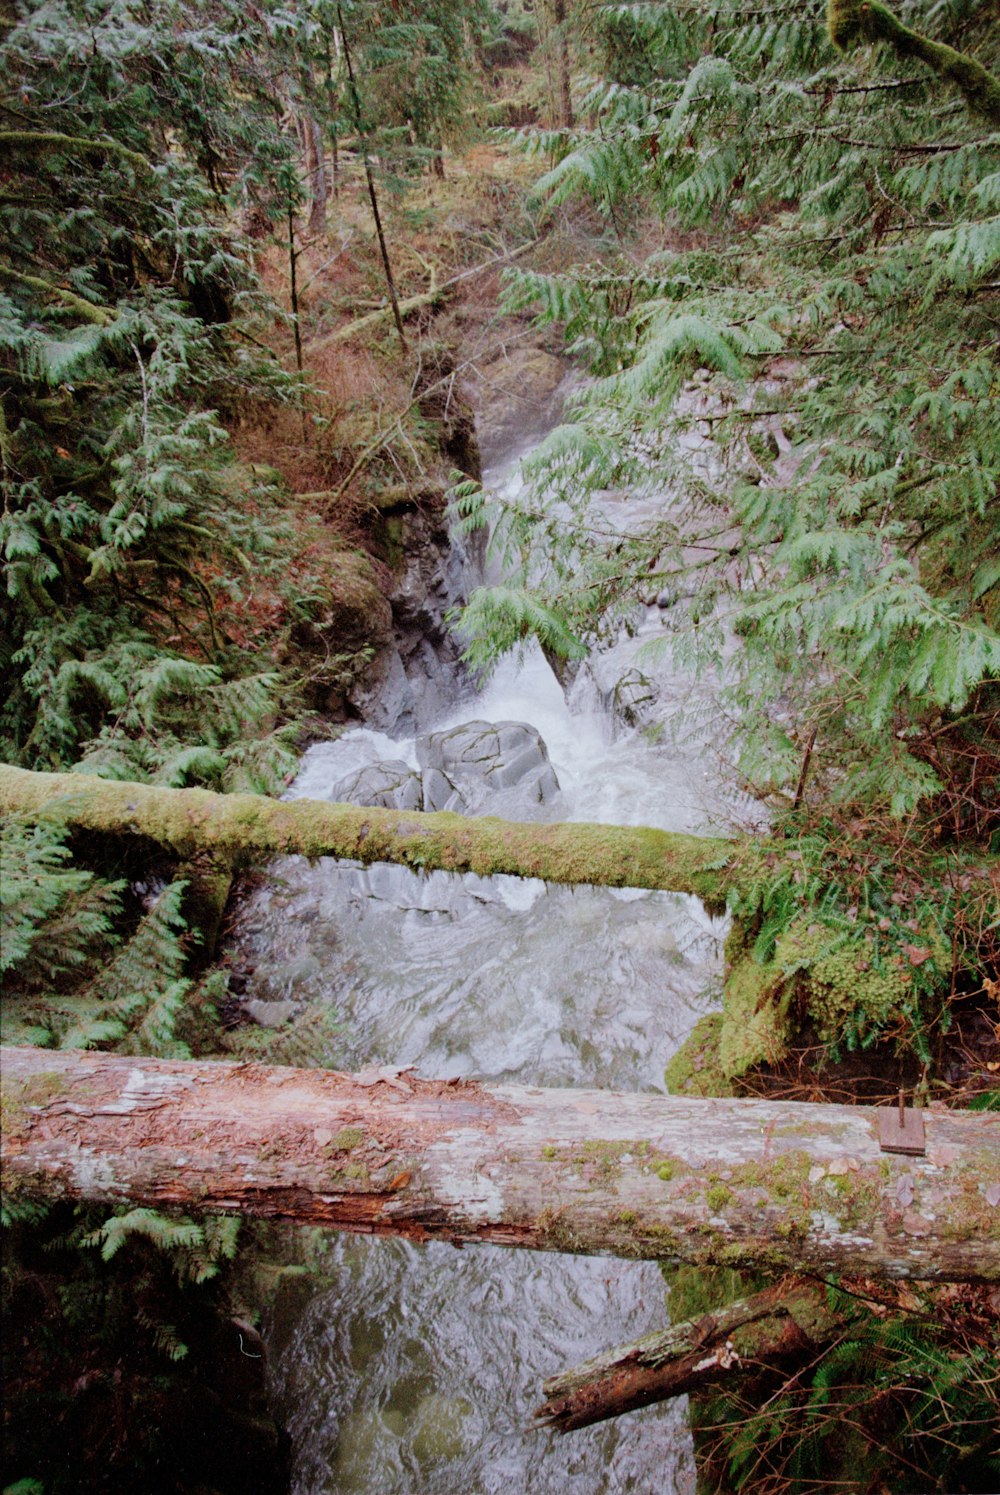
[(777, 1325), (730, 1182), (242, 830)]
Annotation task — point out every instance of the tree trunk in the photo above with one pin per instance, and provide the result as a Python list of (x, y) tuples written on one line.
[(781, 1323), (319, 190), (717, 1182), (562, 46), (369, 178), (242, 830)]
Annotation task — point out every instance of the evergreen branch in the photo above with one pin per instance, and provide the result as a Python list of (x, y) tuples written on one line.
[(851, 22)]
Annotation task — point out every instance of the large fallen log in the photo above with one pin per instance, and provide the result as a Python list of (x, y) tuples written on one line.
[(781, 1323), (731, 1182), (242, 830)]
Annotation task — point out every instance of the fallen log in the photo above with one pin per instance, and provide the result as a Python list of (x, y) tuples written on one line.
[(780, 1324), (769, 1184), (241, 830)]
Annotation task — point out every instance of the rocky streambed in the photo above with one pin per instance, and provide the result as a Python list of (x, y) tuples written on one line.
[(418, 1367)]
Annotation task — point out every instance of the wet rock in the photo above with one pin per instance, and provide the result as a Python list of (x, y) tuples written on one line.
[(633, 698), (270, 1014), (517, 399), (479, 758), (382, 697), (441, 793), (390, 783)]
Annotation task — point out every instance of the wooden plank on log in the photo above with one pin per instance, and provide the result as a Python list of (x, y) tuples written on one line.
[(769, 1184)]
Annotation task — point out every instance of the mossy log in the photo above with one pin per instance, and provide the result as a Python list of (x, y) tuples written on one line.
[(242, 830), (738, 1183), (775, 1326)]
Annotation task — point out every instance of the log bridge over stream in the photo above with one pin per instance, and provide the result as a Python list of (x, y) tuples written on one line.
[(783, 1187)]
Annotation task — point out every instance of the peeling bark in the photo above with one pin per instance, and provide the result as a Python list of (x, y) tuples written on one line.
[(769, 1184), (776, 1325), (242, 830)]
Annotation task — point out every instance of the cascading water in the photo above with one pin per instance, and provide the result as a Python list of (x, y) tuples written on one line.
[(417, 1372)]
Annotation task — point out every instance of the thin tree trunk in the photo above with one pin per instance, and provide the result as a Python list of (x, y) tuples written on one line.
[(373, 198), (293, 263), (319, 189), (780, 1324), (712, 1182), (562, 45)]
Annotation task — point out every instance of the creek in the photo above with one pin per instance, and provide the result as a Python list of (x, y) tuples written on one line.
[(416, 1372)]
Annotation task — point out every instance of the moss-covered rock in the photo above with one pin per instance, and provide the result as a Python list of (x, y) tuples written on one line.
[(696, 1068)]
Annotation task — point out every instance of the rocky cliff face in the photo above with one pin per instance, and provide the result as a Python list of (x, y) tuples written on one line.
[(417, 670)]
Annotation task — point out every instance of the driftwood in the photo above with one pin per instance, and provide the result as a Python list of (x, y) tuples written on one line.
[(242, 830), (781, 1323), (769, 1184)]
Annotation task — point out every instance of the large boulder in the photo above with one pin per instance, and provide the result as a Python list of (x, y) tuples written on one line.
[(390, 783), (464, 766)]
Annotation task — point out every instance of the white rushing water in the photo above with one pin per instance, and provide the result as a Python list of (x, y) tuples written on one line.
[(416, 1372)]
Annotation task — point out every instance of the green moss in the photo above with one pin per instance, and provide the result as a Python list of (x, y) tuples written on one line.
[(346, 1139), (603, 1159), (695, 1291), (20, 1096), (718, 1197), (852, 22), (350, 1173), (696, 1068), (756, 1028)]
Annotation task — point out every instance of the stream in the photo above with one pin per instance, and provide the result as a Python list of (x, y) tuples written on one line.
[(416, 1372)]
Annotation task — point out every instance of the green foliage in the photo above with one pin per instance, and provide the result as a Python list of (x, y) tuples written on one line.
[(915, 1390), (53, 917), (72, 978), (862, 938), (126, 306), (196, 1250), (806, 374)]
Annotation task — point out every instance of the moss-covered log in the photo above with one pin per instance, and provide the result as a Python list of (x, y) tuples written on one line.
[(780, 1324), (242, 830), (712, 1182)]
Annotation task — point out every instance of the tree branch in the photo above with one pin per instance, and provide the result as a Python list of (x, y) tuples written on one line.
[(776, 1325), (851, 22)]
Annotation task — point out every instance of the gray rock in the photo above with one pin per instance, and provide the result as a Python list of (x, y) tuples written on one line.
[(467, 763), (634, 698), (390, 783), (440, 793), (270, 1014)]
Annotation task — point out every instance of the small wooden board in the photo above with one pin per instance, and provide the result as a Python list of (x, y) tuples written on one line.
[(901, 1131)]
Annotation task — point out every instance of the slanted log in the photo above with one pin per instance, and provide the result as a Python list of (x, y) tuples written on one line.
[(243, 830), (729, 1182), (773, 1327)]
